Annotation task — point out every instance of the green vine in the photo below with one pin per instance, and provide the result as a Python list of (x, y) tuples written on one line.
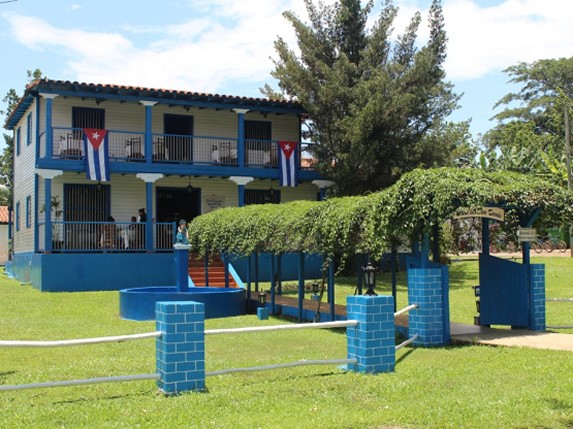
[(342, 227)]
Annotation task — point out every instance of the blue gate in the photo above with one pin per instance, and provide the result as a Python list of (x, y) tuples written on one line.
[(504, 294)]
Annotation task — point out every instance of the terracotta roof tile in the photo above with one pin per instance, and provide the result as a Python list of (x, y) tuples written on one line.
[(3, 214)]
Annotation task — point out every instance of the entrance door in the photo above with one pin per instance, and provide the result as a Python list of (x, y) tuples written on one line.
[(178, 138), (174, 204)]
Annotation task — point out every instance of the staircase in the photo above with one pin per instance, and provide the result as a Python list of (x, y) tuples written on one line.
[(216, 271)]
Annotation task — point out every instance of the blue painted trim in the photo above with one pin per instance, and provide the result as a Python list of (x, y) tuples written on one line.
[(37, 137), (148, 211), (241, 190), (49, 129), (29, 129), (18, 140), (28, 222), (241, 139), (226, 102), (148, 133), (236, 276), (331, 289), (300, 284)]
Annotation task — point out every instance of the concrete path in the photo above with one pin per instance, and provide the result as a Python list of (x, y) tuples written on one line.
[(461, 333)]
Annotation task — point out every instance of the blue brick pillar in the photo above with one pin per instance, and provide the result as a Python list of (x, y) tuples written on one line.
[(428, 320), (180, 353), (537, 296), (181, 266), (372, 341)]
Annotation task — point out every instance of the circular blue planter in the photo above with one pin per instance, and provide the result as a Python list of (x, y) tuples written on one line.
[(139, 303)]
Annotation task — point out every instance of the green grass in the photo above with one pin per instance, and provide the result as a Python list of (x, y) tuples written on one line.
[(451, 387)]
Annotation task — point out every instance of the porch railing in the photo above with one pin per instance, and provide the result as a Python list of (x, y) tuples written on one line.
[(93, 237), (129, 146)]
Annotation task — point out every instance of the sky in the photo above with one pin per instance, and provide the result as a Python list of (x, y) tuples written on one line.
[(226, 46)]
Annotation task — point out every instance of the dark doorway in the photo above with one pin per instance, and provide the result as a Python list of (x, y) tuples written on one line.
[(174, 204), (178, 130)]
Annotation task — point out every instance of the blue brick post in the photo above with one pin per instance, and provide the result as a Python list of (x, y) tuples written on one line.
[(372, 341), (180, 353), (537, 296), (428, 320)]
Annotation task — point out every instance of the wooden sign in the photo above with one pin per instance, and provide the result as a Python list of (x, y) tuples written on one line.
[(527, 234), (494, 213)]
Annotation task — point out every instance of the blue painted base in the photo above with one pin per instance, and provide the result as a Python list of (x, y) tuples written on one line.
[(263, 313), (139, 303)]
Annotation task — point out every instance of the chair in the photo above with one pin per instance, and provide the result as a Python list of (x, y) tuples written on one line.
[(134, 149), (70, 148), (108, 236), (159, 150)]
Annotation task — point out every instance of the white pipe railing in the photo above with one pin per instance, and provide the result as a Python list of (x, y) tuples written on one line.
[(406, 309), (81, 341), (82, 382), (408, 341), (324, 325), (283, 365)]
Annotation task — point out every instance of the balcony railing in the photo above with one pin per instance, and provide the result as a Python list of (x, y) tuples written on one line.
[(124, 146), (95, 237)]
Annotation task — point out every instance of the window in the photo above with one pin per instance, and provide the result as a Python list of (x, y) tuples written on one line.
[(18, 216), (261, 196), (28, 211), (258, 130), (86, 203), (29, 130), (87, 117), (18, 136)]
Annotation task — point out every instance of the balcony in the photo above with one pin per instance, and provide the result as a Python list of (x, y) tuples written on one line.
[(102, 237), (165, 150)]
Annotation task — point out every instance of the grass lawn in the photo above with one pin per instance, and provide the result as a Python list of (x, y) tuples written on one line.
[(450, 387)]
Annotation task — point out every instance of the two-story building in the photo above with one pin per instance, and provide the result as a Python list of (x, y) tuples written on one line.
[(88, 157)]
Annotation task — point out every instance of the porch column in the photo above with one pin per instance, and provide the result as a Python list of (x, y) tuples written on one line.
[(47, 175), (241, 135), (241, 182), (49, 130), (149, 179), (322, 185), (148, 136)]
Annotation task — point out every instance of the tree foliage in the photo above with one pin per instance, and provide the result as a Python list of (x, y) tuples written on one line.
[(371, 102), (529, 136), (341, 227), (6, 158)]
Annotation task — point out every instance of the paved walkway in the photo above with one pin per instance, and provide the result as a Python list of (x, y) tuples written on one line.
[(510, 337), (460, 332)]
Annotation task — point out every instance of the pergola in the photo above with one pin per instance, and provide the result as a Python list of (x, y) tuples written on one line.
[(413, 210)]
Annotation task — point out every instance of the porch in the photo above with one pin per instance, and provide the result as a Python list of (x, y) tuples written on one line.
[(105, 237)]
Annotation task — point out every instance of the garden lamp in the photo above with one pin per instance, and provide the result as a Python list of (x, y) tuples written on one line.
[(262, 298), (369, 273)]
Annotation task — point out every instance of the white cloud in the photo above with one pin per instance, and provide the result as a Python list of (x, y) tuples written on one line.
[(226, 41), (482, 40)]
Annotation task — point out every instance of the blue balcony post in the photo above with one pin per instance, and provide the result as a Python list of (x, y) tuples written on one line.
[(48, 175), (149, 179), (241, 135), (322, 185), (49, 130), (241, 182), (148, 135)]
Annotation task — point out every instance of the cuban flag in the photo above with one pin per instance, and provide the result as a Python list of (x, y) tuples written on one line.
[(96, 151), (288, 173)]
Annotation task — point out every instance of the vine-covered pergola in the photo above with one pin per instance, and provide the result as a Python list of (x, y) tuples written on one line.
[(372, 224), (411, 211)]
